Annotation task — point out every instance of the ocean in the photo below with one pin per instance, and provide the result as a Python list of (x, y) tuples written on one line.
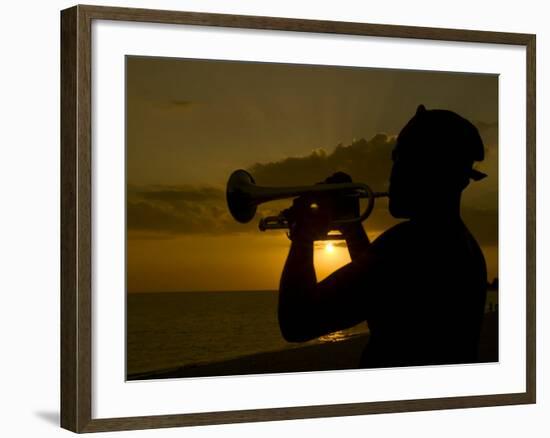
[(172, 329)]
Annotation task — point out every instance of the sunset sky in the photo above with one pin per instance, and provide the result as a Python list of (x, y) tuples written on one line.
[(190, 123)]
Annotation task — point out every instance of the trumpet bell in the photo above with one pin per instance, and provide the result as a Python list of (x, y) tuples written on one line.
[(240, 203)]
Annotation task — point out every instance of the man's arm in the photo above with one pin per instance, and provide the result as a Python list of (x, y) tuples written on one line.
[(356, 239), (298, 293), (308, 309)]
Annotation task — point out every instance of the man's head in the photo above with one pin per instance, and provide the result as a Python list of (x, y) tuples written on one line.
[(432, 161)]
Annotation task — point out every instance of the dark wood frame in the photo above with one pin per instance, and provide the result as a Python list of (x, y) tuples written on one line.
[(76, 304)]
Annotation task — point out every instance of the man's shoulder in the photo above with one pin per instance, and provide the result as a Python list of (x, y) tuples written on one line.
[(396, 233), (392, 242)]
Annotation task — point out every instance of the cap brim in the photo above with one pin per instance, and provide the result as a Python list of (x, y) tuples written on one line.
[(476, 175)]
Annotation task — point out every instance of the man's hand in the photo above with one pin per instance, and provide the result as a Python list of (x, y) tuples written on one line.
[(347, 207), (308, 219)]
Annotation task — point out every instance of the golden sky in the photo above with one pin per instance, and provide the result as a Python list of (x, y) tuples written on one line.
[(190, 123)]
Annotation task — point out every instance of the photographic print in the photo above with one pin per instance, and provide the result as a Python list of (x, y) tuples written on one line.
[(292, 218), (267, 206)]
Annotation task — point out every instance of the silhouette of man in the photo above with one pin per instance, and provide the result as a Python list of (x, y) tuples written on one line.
[(421, 285)]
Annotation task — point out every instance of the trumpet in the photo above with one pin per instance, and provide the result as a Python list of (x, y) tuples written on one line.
[(243, 197)]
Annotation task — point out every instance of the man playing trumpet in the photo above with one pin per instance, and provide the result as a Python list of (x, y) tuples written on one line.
[(421, 285)]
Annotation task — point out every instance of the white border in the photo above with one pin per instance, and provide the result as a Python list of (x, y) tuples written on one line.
[(113, 397)]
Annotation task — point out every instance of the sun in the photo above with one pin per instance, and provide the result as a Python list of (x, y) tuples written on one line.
[(329, 248)]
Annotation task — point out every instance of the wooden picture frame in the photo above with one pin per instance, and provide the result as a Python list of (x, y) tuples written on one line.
[(76, 218)]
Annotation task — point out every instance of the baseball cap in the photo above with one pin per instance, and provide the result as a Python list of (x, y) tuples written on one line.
[(453, 139)]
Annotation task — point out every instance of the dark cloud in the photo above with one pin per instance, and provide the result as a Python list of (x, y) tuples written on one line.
[(181, 103), (179, 210), (182, 194), (202, 209), (165, 105), (366, 161)]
